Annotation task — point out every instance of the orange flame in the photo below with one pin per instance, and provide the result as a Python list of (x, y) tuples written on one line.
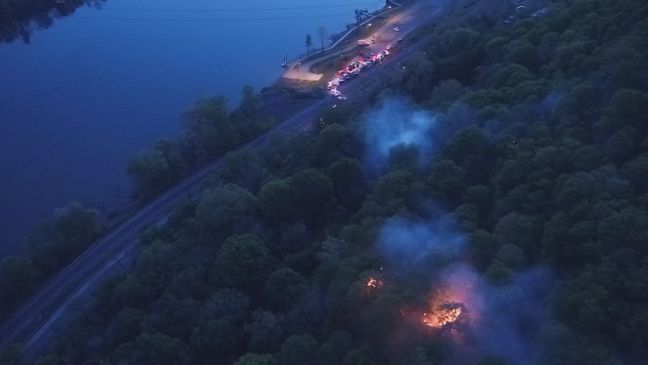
[(443, 315), (374, 283), (455, 303)]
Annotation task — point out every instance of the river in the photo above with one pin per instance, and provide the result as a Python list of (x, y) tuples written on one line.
[(99, 85)]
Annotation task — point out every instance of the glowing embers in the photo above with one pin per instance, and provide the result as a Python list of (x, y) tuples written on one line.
[(374, 283), (454, 305), (445, 315)]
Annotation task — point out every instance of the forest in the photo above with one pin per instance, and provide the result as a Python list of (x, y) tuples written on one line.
[(210, 131), (485, 205)]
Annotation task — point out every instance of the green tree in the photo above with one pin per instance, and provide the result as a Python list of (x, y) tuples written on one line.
[(125, 326), (621, 145), (175, 317), (298, 350), (64, 236), (226, 210), (228, 303), (17, 278), (479, 195), (357, 357), (448, 178), (347, 178), (391, 193), (309, 43), (265, 331), (255, 359), (153, 170), (333, 142), (250, 118), (519, 229), (445, 93), (625, 108), (218, 334), (383, 315), (150, 172), (336, 346), (284, 288), (209, 130), (276, 201), (313, 194), (242, 262), (295, 238), (470, 149), (244, 168), (11, 355), (523, 53), (162, 349), (636, 171), (459, 51), (173, 153), (217, 338)]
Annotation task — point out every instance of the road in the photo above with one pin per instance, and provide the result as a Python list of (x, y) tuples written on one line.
[(408, 17), (35, 321), (301, 68)]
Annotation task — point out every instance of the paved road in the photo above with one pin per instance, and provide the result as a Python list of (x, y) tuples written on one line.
[(301, 69), (36, 319), (408, 18)]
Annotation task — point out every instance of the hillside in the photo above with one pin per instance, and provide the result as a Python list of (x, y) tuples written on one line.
[(486, 205)]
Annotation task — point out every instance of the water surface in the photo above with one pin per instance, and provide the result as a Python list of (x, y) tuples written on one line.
[(101, 84)]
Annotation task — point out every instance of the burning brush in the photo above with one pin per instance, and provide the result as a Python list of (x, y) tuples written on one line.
[(445, 315), (454, 305), (374, 283)]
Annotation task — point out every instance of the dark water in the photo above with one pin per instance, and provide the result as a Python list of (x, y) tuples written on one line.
[(99, 85)]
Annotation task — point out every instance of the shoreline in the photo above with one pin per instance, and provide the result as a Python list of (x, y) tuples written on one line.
[(104, 197)]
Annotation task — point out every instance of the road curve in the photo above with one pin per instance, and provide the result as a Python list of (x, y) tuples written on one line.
[(32, 323)]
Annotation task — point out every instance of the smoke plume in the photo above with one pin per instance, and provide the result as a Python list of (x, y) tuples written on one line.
[(498, 321), (397, 124), (406, 243), (428, 259)]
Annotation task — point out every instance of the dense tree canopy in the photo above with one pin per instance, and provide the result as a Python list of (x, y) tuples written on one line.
[(53, 245), (538, 165), (211, 130)]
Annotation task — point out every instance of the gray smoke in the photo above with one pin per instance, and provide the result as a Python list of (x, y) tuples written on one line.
[(396, 123), (406, 243), (512, 316), (428, 254), (507, 318)]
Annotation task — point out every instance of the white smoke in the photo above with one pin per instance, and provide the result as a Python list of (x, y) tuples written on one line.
[(396, 123), (405, 243)]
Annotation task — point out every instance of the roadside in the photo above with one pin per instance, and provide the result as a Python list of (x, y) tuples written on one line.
[(39, 318), (378, 34), (301, 69)]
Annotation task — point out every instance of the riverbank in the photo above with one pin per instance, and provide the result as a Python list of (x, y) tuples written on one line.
[(301, 69), (108, 251), (73, 118)]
